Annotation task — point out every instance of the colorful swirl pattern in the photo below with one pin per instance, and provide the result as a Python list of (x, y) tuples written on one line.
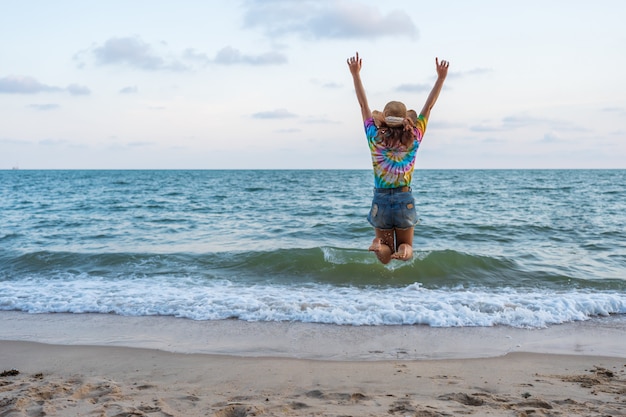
[(393, 167)]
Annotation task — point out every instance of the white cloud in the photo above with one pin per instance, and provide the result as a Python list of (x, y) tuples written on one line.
[(315, 19), (135, 53), (413, 88), (44, 107), (53, 142), (469, 73), (274, 114), (24, 85), (129, 90), (11, 141), (78, 90), (230, 56), (515, 122), (613, 109), (551, 137), (29, 85), (332, 85)]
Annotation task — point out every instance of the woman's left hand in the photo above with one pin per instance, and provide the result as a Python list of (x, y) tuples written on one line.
[(355, 63)]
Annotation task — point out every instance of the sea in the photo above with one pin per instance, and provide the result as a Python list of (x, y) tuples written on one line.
[(520, 248)]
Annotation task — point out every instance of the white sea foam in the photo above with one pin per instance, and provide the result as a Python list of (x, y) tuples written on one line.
[(313, 303)]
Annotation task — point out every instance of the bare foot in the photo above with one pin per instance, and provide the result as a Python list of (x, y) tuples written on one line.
[(382, 251), (376, 245), (404, 253)]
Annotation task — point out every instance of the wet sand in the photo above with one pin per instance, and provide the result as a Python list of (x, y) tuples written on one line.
[(82, 365)]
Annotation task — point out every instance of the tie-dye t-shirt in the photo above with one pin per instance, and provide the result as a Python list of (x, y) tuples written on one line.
[(393, 167)]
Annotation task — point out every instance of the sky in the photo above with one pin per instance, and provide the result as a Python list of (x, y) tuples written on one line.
[(264, 84)]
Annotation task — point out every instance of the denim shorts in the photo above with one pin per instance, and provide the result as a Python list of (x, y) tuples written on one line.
[(392, 209)]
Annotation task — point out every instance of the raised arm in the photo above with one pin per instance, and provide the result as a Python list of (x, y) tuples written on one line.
[(355, 63), (442, 72)]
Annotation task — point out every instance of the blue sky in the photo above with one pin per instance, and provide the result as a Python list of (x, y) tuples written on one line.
[(140, 84)]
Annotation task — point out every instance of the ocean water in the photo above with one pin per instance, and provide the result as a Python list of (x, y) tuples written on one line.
[(520, 248)]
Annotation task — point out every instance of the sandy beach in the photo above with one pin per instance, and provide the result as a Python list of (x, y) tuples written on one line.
[(55, 367)]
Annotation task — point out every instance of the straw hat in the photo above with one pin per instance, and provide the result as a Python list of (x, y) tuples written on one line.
[(394, 113)]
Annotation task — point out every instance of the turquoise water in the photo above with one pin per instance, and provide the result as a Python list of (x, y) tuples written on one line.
[(522, 248)]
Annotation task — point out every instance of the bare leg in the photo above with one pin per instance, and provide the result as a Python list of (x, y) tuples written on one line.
[(382, 244), (404, 240)]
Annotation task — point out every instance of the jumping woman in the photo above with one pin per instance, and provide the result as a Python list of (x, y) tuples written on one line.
[(393, 137)]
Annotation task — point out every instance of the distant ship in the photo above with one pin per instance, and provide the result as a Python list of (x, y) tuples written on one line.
[(15, 168)]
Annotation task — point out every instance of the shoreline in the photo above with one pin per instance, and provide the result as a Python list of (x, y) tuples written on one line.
[(597, 337), (90, 364)]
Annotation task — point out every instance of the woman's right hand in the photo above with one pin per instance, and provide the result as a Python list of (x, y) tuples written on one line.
[(442, 68)]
